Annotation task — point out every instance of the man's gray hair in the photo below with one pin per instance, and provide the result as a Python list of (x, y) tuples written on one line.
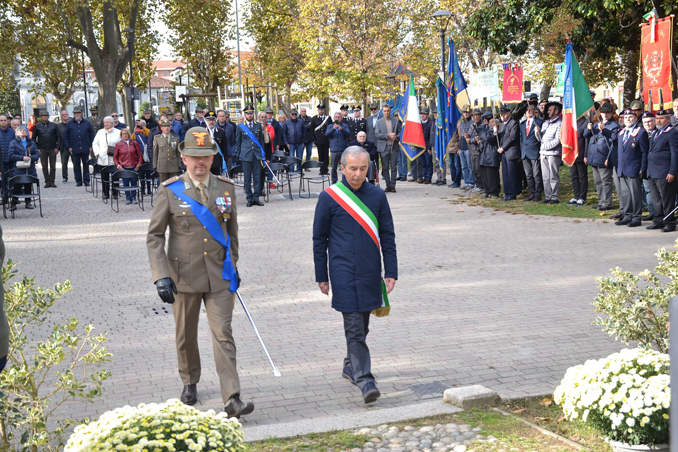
[(24, 128), (110, 119), (354, 151)]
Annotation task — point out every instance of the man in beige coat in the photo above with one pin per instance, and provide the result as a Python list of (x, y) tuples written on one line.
[(195, 265), (166, 155)]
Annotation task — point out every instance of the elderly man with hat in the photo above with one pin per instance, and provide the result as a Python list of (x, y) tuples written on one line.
[(464, 128), (94, 119), (48, 140), (638, 110), (318, 126), (219, 137), (278, 139), (662, 169), (166, 155), (475, 148), (550, 152), (78, 139), (602, 138), (147, 116), (509, 148), (250, 149), (294, 134), (199, 265), (198, 120)]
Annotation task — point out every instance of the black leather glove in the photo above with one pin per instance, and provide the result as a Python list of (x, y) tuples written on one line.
[(237, 273), (643, 174), (165, 288)]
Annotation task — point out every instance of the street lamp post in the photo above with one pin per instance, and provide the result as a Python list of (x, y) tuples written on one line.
[(84, 79), (130, 37), (180, 72), (442, 18)]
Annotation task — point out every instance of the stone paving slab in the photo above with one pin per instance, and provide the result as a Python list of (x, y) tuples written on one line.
[(483, 297)]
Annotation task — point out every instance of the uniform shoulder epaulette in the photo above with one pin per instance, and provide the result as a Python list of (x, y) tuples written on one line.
[(169, 181), (225, 179)]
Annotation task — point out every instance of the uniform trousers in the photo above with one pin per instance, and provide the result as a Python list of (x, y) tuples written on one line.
[(632, 198), (48, 163), (219, 308), (389, 162), (602, 177), (617, 188), (475, 163), (510, 173), (336, 159), (491, 182), (252, 170), (550, 164), (416, 168), (532, 168), (65, 155), (164, 176), (356, 327), (664, 200), (426, 165), (324, 156), (81, 168), (580, 180)]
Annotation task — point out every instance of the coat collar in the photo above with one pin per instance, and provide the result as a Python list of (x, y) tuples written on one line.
[(360, 190)]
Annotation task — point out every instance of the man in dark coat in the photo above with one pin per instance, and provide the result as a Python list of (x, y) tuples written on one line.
[(294, 134), (249, 154), (224, 123), (65, 155), (355, 257), (339, 135), (529, 153), (371, 149), (662, 169), (602, 137), (151, 123), (48, 140), (308, 138), (632, 147), (319, 125), (219, 137), (78, 141), (426, 159), (509, 140), (490, 159), (198, 120), (579, 174), (6, 137)]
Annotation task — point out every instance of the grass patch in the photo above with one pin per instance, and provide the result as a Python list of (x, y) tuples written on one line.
[(532, 208)]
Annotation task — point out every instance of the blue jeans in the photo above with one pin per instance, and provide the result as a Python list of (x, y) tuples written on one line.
[(466, 166), (129, 182), (427, 165), (455, 168), (309, 150), (296, 150), (402, 163)]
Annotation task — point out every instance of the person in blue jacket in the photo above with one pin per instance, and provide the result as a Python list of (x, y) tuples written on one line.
[(78, 139), (662, 169), (23, 149), (355, 263), (632, 147), (339, 135)]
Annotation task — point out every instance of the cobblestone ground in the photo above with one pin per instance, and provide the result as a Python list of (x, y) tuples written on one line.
[(483, 297)]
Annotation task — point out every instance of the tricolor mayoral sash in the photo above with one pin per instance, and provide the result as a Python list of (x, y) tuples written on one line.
[(365, 218)]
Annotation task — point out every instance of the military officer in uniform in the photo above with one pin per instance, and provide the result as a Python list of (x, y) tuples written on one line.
[(199, 265), (166, 155), (249, 154), (359, 124), (219, 137), (662, 169), (94, 119), (319, 125)]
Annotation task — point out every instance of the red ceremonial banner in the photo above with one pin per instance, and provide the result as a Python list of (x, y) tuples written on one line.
[(513, 82), (656, 60)]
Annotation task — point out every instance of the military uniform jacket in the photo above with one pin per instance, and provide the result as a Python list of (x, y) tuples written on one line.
[(97, 123), (662, 158), (357, 126), (166, 155), (245, 148), (632, 146), (319, 127), (194, 260)]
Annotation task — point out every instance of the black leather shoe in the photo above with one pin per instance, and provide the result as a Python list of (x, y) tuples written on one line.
[(648, 218), (258, 203), (634, 224), (617, 216), (622, 222), (655, 226), (249, 203), (29, 206), (347, 373), (668, 228), (189, 395), (64, 180), (236, 407), (370, 393), (79, 185)]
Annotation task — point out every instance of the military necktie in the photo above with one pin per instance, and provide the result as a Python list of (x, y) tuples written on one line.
[(203, 196)]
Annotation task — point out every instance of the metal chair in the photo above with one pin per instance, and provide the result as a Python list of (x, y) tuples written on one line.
[(278, 155), (236, 174), (293, 161), (148, 180), (106, 173), (320, 179), (24, 179), (278, 169), (93, 174), (117, 190)]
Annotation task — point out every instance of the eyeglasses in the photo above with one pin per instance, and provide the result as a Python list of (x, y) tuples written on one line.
[(293, 114), (114, 116), (374, 109)]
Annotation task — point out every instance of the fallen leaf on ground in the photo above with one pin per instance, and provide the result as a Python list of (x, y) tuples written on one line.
[(602, 214), (461, 209), (560, 419), (518, 411), (537, 418), (546, 402)]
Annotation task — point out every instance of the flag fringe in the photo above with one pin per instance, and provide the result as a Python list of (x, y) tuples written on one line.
[(382, 311)]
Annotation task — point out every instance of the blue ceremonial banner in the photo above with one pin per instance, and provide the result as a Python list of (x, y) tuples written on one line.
[(442, 128), (456, 90), (401, 112)]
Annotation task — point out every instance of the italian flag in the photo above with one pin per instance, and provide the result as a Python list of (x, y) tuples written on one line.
[(576, 102), (413, 134), (652, 18)]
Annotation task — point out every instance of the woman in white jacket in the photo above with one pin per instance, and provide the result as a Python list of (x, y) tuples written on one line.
[(108, 136)]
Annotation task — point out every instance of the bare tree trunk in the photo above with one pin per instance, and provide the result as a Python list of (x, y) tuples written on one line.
[(631, 59), (126, 112), (545, 89)]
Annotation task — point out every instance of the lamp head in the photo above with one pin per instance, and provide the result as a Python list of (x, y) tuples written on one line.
[(442, 18)]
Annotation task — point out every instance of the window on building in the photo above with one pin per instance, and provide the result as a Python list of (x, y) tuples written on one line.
[(166, 73)]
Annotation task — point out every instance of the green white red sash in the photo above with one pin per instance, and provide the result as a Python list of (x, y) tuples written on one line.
[(365, 218)]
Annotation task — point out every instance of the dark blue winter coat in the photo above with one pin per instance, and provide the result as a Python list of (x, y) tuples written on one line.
[(294, 131), (600, 143), (6, 137), (663, 155), (632, 152), (339, 138), (354, 258), (78, 136), (17, 152)]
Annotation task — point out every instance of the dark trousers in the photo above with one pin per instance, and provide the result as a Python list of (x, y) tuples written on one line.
[(455, 168), (65, 155), (324, 155), (336, 159), (24, 189), (417, 168), (130, 182), (475, 163), (48, 162), (81, 168), (490, 178), (580, 180), (389, 165), (532, 170), (252, 170), (356, 327), (510, 172), (426, 165), (664, 200)]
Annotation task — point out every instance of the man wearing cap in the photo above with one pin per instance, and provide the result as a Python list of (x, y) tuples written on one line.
[(249, 154), (278, 139), (308, 133), (48, 141), (199, 119), (94, 119), (224, 123), (78, 140), (650, 126), (529, 152), (551, 152), (662, 169), (464, 128), (294, 134), (219, 138), (359, 124), (509, 148), (148, 117), (166, 155), (602, 138), (475, 148), (387, 133), (319, 125), (637, 108), (199, 265)]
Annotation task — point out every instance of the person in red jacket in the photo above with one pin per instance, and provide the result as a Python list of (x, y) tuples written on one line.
[(128, 156)]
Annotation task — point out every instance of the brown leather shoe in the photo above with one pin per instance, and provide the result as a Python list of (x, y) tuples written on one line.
[(420, 181), (236, 407), (411, 180), (427, 181), (189, 395)]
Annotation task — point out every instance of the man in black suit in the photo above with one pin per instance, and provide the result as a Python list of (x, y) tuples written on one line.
[(359, 124), (219, 137), (224, 123), (662, 168), (529, 153), (509, 140), (632, 146), (319, 125)]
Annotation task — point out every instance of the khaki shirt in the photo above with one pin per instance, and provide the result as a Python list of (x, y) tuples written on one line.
[(166, 158), (194, 260)]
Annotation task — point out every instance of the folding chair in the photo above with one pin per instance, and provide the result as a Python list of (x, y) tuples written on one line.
[(278, 155), (236, 174), (148, 180), (117, 190), (93, 174), (22, 179), (320, 179), (278, 170), (290, 161), (106, 173)]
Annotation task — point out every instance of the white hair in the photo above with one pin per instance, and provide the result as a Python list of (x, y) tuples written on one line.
[(355, 151), (110, 119)]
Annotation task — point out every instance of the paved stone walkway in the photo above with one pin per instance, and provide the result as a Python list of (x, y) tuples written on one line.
[(483, 297)]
